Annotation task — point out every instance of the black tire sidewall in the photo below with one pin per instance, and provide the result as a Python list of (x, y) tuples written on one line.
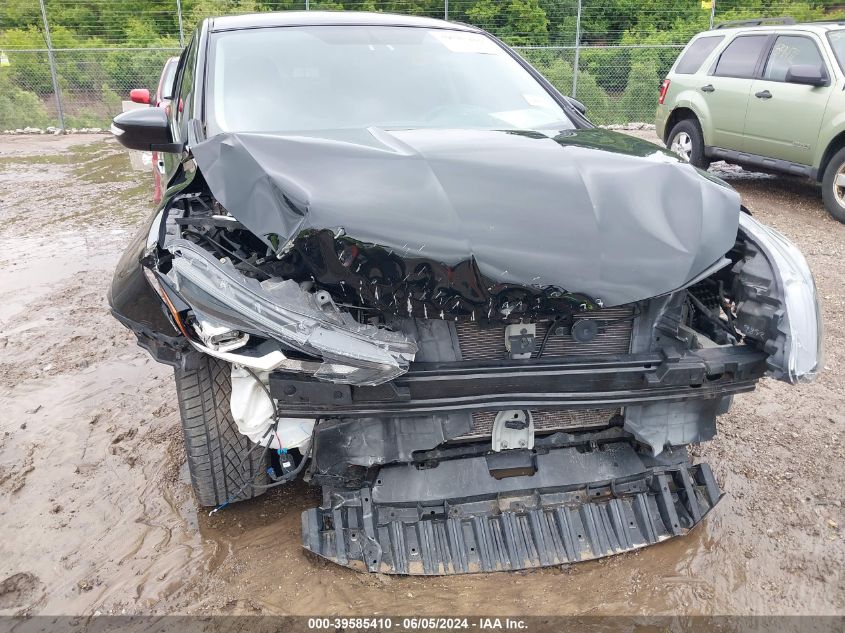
[(830, 202), (220, 459), (693, 129)]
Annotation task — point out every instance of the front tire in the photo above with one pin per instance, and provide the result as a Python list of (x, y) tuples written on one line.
[(833, 193), (220, 459), (687, 141)]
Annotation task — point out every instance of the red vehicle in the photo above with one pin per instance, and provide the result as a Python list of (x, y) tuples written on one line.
[(161, 100)]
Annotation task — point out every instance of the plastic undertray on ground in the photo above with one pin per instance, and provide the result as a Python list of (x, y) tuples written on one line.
[(555, 507)]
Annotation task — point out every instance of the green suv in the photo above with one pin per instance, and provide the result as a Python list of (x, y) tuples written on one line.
[(765, 95)]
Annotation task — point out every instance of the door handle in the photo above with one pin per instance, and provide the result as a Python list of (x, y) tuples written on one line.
[(765, 94), (708, 88)]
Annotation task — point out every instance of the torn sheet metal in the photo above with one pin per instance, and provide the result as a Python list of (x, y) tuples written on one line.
[(474, 224)]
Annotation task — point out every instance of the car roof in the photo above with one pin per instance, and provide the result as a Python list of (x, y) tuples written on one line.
[(328, 18)]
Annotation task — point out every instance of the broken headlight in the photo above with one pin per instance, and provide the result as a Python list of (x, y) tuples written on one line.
[(800, 325), (352, 352)]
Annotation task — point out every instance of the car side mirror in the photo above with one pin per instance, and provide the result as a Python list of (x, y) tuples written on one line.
[(577, 105), (139, 95), (145, 129), (806, 74)]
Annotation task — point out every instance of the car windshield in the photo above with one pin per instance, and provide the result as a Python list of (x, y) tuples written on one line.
[(344, 77), (837, 43)]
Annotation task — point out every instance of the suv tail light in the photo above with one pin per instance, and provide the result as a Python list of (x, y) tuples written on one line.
[(664, 88)]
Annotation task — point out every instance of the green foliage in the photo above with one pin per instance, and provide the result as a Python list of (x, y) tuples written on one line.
[(616, 83), (196, 12), (15, 14), (95, 19), (600, 108), (526, 22), (111, 100), (138, 22), (27, 70), (327, 5), (77, 69), (19, 108), (87, 119), (558, 70), (127, 69), (484, 13), (609, 66), (639, 101), (520, 22)]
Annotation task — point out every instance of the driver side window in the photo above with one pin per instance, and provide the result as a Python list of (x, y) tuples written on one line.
[(182, 102), (791, 50)]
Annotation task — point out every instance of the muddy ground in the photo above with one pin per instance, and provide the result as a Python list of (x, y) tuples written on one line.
[(96, 512)]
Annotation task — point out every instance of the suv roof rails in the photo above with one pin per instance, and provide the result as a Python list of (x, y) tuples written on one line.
[(827, 21), (754, 22)]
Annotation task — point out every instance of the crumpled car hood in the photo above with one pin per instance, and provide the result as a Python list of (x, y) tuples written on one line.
[(472, 223)]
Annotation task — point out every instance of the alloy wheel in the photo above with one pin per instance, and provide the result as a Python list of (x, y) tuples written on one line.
[(682, 146), (839, 186)]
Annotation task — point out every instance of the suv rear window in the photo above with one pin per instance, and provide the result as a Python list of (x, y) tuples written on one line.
[(740, 58), (691, 60)]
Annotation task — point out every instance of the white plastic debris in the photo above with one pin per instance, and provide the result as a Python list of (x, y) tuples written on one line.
[(253, 413)]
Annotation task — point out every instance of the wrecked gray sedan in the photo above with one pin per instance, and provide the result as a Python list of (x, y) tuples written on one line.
[(394, 261)]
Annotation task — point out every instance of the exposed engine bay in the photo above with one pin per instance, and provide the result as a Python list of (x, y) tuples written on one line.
[(461, 419)]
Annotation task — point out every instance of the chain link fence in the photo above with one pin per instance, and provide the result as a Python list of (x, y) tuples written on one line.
[(618, 84), (75, 71), (93, 83)]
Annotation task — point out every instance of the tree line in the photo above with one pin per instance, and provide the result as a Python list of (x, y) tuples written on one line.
[(617, 84)]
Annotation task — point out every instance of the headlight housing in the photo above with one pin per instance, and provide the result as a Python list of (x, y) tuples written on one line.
[(796, 344), (353, 353)]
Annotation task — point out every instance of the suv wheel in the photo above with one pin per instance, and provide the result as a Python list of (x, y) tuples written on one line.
[(220, 459), (687, 141), (833, 186)]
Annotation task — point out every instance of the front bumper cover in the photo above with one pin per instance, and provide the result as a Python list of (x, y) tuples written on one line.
[(578, 505)]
